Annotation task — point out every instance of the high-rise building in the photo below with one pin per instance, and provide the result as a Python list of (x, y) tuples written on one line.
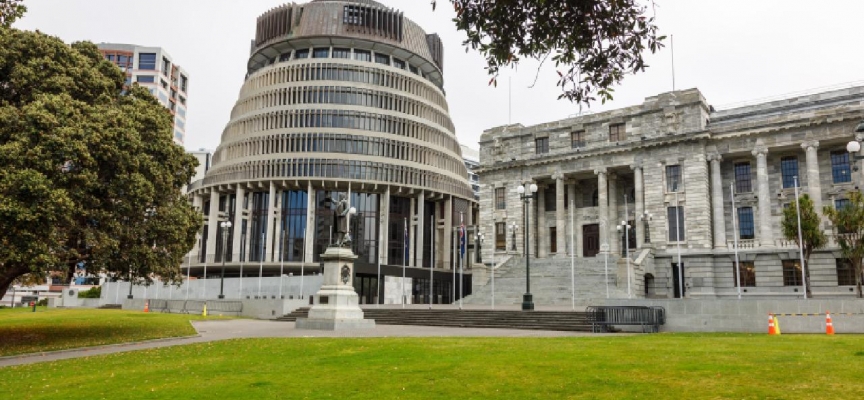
[(341, 98), (154, 69)]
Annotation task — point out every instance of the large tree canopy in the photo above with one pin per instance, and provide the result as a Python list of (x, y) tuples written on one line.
[(88, 169), (593, 43), (848, 222)]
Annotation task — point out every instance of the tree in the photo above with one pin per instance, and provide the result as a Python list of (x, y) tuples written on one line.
[(10, 10), (848, 222), (593, 43), (88, 168), (812, 238)]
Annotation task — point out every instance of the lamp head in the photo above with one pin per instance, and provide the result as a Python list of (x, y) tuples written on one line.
[(854, 146), (352, 210), (618, 227), (520, 189), (533, 188)]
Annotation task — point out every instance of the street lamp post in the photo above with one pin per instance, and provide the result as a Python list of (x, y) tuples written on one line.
[(625, 226), (527, 299), (226, 225)]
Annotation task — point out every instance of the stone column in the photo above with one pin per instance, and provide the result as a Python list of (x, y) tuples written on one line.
[(309, 240), (198, 204), (717, 202), (212, 226), (602, 205), (560, 216), (639, 189), (814, 185), (532, 230), (613, 238), (421, 225), (238, 223), (577, 232), (447, 236), (766, 233), (542, 230), (272, 238)]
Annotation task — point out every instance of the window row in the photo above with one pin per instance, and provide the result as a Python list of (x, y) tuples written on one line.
[(617, 133), (340, 169), (791, 273), (345, 73), (345, 119), (841, 172), (342, 95), (340, 143)]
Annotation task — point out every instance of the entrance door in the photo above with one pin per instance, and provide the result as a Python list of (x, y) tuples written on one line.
[(590, 240), (553, 240), (677, 280)]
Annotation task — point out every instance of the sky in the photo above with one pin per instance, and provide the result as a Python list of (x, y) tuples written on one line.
[(734, 51)]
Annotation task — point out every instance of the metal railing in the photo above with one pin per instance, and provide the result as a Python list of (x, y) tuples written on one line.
[(605, 317)]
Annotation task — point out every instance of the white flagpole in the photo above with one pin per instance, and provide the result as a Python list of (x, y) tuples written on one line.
[(735, 241), (189, 272), (405, 261), (453, 267), (462, 237), (378, 277), (494, 245), (261, 266), (678, 239), (281, 253), (432, 263), (572, 259), (204, 281), (242, 259), (800, 238), (302, 269)]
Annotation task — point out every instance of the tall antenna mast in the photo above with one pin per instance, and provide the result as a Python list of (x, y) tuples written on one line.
[(672, 46)]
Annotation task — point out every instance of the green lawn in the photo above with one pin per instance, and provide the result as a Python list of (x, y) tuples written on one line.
[(662, 366), (23, 331)]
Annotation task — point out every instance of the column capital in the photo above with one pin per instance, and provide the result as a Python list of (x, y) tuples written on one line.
[(813, 144), (558, 176), (760, 151), (715, 157), (636, 165), (600, 171)]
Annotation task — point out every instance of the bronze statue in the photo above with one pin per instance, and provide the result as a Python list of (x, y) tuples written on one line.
[(343, 238)]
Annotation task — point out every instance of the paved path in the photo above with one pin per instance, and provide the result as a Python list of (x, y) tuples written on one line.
[(209, 331)]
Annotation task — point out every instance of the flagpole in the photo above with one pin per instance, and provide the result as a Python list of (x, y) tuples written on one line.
[(453, 266), (281, 253), (432, 262), (735, 241), (261, 266), (242, 259), (404, 260), (378, 296), (800, 238), (461, 255), (572, 259)]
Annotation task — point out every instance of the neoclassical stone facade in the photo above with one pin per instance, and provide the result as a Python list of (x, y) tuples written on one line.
[(341, 98), (673, 161)]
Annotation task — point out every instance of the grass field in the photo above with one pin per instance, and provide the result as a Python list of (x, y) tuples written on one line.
[(23, 331), (660, 366)]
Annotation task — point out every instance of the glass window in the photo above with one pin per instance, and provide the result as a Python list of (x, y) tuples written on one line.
[(791, 273), (840, 169), (746, 229), (147, 61), (500, 236), (743, 183), (166, 66), (673, 178), (550, 199), (617, 133), (362, 55), (676, 223), (122, 60), (285, 56), (110, 57), (164, 84), (302, 53), (413, 69), (145, 79), (500, 198), (382, 58), (184, 82), (321, 52), (789, 170), (398, 63), (845, 273), (341, 53), (577, 139), (746, 273), (541, 145)]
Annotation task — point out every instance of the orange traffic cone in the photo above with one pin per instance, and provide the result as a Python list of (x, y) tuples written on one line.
[(147, 306), (829, 326), (771, 329), (777, 325)]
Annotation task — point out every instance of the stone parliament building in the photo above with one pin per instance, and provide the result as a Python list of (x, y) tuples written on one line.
[(669, 162)]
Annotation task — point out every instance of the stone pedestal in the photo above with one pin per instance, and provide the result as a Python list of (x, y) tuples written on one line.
[(337, 307)]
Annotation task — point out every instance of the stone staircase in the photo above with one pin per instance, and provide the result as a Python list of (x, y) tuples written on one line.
[(551, 283), (536, 320)]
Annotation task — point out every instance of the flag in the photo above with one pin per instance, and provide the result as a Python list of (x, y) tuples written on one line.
[(462, 241)]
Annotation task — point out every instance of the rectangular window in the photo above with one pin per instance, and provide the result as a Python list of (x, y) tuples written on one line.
[(166, 66), (840, 204), (321, 52), (341, 53), (362, 55), (147, 61), (110, 57), (840, 169), (577, 139), (164, 84), (184, 82), (789, 170), (500, 236), (791, 273), (743, 183), (746, 273), (398, 63), (302, 53), (541, 145), (500, 198), (845, 273), (382, 59), (122, 60), (673, 178), (145, 79), (550, 200), (746, 229), (617, 133), (676, 223)]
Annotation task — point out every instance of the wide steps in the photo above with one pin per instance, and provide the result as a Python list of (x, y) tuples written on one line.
[(533, 320)]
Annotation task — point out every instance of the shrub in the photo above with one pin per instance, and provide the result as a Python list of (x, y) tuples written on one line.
[(93, 293)]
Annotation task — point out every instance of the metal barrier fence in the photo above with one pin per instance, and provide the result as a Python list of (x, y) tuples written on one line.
[(604, 317)]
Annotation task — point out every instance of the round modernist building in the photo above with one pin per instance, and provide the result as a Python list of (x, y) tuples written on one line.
[(341, 97)]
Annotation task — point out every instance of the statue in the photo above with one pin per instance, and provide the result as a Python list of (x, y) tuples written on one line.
[(343, 238)]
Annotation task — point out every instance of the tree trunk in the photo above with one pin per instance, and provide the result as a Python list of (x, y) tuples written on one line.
[(8, 274)]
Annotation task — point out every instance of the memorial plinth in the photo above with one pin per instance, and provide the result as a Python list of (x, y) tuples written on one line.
[(337, 307)]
